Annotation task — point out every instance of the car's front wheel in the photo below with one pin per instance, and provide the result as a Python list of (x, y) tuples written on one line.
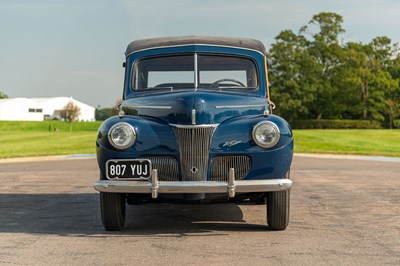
[(113, 210), (278, 207)]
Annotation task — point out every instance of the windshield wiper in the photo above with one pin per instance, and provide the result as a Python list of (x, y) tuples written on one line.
[(220, 88), (159, 88)]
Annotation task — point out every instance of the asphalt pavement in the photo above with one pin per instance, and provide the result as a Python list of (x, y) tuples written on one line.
[(344, 211)]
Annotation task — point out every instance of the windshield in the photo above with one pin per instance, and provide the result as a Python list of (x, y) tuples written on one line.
[(195, 71)]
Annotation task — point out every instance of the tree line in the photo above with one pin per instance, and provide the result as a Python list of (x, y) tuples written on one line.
[(315, 75)]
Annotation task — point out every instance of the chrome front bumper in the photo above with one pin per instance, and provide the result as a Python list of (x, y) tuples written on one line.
[(154, 186)]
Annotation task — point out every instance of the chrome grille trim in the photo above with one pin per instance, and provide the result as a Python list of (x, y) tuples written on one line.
[(194, 147), (194, 126), (220, 166), (167, 167)]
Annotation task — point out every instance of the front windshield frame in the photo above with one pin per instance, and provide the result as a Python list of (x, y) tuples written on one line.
[(249, 75)]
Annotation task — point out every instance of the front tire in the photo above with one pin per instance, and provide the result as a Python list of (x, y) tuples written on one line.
[(113, 210), (278, 206)]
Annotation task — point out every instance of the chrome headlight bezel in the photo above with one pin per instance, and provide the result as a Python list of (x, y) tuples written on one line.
[(128, 130), (273, 127)]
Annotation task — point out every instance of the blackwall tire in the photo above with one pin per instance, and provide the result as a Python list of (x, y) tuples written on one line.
[(113, 210), (278, 207)]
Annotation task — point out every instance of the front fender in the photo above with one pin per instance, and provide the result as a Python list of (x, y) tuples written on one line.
[(235, 135), (152, 137)]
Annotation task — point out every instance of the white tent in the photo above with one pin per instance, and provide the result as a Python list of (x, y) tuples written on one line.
[(38, 109)]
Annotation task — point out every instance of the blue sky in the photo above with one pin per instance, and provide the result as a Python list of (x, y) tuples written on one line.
[(76, 48)]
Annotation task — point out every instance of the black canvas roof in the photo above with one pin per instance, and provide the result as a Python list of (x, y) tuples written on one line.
[(188, 40)]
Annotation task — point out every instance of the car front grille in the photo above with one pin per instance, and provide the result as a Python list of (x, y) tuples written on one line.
[(167, 167), (194, 148), (220, 167)]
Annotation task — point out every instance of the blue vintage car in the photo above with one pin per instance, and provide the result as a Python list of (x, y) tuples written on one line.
[(195, 125)]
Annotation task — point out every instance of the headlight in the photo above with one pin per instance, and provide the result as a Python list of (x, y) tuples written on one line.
[(122, 135), (266, 134)]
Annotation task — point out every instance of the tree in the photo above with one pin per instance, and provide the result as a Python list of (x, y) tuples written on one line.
[(370, 81), (393, 110), (324, 48), (387, 56), (351, 79), (393, 96), (71, 112), (3, 95), (313, 76), (289, 64), (303, 68)]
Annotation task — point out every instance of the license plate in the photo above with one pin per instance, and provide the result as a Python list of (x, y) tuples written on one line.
[(130, 169)]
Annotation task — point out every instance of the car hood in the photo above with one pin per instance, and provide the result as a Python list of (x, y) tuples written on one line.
[(194, 107)]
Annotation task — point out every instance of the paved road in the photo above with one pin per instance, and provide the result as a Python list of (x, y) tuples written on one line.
[(343, 211)]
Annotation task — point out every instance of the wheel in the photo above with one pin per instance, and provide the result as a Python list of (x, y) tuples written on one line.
[(278, 208), (113, 210), (278, 205)]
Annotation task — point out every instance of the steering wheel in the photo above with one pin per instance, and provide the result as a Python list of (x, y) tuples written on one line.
[(216, 83)]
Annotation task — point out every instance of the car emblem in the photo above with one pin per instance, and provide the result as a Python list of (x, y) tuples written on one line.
[(194, 170), (231, 143)]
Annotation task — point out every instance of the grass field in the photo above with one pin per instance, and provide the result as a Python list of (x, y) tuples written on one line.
[(362, 142), (21, 139)]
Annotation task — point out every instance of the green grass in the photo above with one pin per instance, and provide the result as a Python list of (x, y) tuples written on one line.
[(45, 126), (360, 142), (21, 139)]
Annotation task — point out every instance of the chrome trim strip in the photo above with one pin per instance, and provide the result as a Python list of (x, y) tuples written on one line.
[(241, 106), (194, 44), (239, 186), (166, 107), (193, 116), (196, 77), (194, 126)]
